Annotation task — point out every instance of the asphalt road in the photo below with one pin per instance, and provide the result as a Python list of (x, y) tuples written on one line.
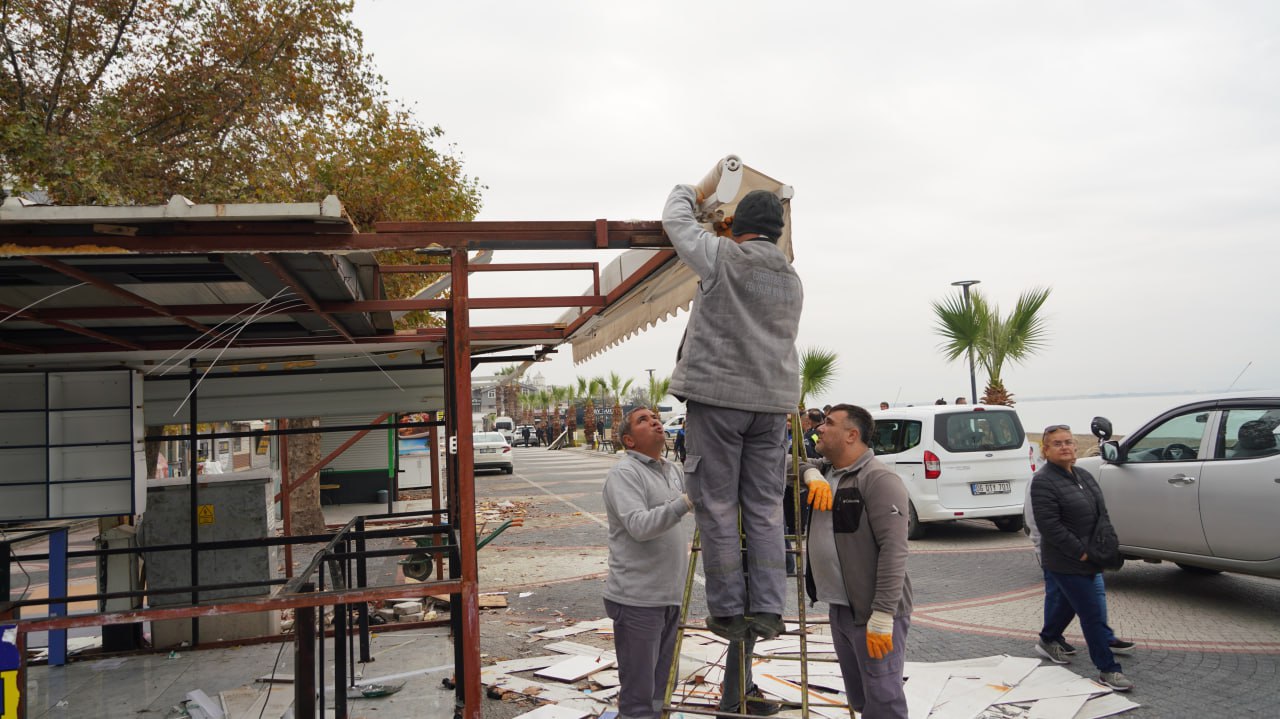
[(1207, 646)]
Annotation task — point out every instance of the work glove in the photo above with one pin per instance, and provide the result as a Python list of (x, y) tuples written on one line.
[(879, 635), (819, 490)]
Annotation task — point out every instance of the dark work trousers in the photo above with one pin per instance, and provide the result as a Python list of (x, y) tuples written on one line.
[(644, 638), (736, 462), (873, 686), (1082, 600), (731, 688), (789, 518)]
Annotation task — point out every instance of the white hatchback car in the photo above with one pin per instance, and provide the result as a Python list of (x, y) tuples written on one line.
[(492, 451), (958, 462)]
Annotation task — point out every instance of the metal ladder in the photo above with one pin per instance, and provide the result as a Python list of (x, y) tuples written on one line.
[(797, 549)]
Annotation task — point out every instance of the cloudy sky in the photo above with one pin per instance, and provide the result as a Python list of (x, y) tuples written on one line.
[(1125, 154)]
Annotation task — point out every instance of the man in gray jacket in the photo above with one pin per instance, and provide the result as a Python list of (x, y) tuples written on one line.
[(648, 563), (739, 374), (858, 562)]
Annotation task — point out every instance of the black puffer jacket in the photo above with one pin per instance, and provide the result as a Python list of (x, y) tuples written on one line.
[(1066, 507)]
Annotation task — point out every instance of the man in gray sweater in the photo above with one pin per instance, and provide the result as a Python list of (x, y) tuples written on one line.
[(858, 561), (739, 374), (648, 563)]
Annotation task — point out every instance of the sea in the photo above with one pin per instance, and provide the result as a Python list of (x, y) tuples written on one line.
[(1128, 412)]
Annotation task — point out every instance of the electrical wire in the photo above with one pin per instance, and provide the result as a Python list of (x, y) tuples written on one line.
[(271, 684)]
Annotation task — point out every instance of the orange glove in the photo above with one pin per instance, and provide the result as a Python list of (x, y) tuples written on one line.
[(819, 490), (879, 635)]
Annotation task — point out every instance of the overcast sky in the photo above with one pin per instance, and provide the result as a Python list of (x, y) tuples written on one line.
[(1125, 154)]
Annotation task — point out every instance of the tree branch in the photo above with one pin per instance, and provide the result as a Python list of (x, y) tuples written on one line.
[(13, 56), (63, 62), (115, 46)]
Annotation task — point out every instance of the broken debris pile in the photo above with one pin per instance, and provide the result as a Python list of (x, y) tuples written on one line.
[(580, 680)]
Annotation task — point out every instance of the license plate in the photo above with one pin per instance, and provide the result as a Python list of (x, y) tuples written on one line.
[(491, 450), (990, 488)]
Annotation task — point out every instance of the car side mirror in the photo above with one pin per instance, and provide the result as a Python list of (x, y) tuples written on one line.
[(1101, 428), (1111, 452)]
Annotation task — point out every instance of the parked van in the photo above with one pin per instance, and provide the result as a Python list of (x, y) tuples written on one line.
[(958, 462), (506, 426)]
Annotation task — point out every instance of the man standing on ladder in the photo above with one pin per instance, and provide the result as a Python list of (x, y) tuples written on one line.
[(739, 373), (648, 563), (858, 562)]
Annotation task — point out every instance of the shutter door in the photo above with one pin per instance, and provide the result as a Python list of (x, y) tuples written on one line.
[(369, 453)]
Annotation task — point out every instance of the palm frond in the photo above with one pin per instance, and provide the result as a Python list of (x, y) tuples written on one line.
[(817, 371)]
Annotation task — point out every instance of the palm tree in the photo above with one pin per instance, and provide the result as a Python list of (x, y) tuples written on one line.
[(658, 389), (977, 327), (500, 390), (557, 399), (586, 388), (619, 389), (542, 400), (571, 414)]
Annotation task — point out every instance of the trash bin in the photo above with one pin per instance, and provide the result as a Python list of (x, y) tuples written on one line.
[(382, 496)]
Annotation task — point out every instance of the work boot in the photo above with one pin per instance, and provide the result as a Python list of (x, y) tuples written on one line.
[(757, 705), (734, 628), (766, 626)]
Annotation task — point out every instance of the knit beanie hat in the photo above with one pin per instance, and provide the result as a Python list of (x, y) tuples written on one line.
[(760, 212)]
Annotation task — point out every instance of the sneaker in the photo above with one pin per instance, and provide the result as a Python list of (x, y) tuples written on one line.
[(734, 628), (1120, 646), (1066, 648), (766, 626), (1116, 681), (757, 705), (1052, 652)]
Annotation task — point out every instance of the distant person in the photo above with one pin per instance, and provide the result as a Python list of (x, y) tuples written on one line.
[(645, 501), (809, 422), (747, 307), (884, 405), (858, 562), (961, 400), (524, 434), (940, 401), (1067, 505)]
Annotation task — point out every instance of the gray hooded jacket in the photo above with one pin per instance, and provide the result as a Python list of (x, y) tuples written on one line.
[(739, 348)]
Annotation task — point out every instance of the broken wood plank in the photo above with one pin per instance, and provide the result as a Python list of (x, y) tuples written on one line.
[(574, 668)]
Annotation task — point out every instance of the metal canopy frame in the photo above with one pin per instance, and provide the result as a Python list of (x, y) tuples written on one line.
[(140, 288)]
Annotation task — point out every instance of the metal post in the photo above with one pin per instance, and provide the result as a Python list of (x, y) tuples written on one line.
[(973, 380), (362, 581), (462, 504), (304, 660), (193, 474), (58, 588)]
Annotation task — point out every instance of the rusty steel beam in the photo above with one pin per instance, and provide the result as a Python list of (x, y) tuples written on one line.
[(74, 329), (124, 294), (303, 295), (540, 235), (463, 504), (241, 606)]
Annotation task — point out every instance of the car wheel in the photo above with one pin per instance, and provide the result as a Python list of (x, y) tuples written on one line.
[(1008, 524), (1197, 570), (508, 470), (915, 529)]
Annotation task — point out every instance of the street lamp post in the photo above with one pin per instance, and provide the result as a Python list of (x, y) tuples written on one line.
[(653, 400), (973, 380)]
